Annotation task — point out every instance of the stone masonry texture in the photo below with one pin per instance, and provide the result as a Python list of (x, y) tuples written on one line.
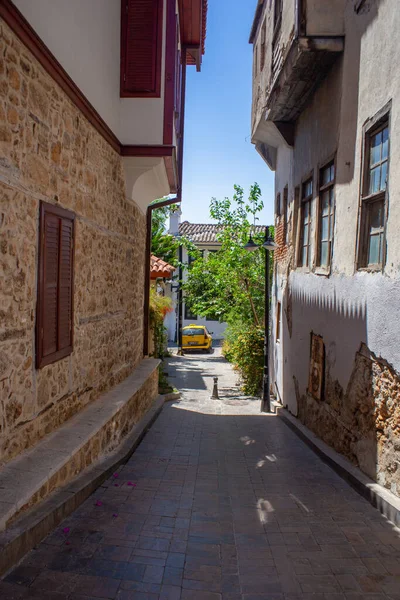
[(219, 502), (48, 151)]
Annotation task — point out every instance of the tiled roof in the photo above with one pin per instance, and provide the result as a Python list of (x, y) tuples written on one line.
[(206, 232), (160, 268)]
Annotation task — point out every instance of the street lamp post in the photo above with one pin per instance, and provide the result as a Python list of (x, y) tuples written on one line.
[(269, 246)]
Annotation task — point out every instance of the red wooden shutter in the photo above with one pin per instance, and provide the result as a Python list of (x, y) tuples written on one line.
[(141, 48), (55, 282), (50, 283), (65, 285)]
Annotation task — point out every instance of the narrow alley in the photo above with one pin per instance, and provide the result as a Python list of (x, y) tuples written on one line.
[(219, 502)]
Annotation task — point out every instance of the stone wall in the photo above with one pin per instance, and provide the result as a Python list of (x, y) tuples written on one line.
[(48, 151), (361, 422), (106, 439)]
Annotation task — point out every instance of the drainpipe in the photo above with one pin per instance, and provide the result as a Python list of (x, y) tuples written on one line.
[(180, 163)]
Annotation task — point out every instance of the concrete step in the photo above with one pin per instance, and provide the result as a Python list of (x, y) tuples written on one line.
[(63, 454)]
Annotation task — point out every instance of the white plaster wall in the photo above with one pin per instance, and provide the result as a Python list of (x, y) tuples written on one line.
[(84, 36), (349, 307), (346, 311)]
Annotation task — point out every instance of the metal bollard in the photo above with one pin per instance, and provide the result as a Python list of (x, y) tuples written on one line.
[(214, 394)]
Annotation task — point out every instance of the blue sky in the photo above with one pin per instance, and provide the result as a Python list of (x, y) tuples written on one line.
[(218, 151)]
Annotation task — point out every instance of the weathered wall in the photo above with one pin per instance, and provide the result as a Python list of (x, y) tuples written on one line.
[(262, 78), (48, 151), (353, 311)]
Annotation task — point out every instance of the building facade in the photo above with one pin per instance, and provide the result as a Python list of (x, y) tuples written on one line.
[(91, 123), (326, 102)]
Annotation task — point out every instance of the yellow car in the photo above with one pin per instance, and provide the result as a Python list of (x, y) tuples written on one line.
[(196, 337)]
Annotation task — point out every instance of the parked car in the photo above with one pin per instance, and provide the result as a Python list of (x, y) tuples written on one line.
[(196, 337)]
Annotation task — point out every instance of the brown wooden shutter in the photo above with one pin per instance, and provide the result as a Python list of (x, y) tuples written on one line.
[(141, 48), (55, 285)]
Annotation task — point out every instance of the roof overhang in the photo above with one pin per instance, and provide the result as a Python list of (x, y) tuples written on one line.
[(160, 269), (193, 26), (256, 20)]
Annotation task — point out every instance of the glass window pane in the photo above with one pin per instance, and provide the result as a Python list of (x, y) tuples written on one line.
[(331, 221), (324, 253), (331, 200), (385, 143), (375, 179), (325, 202), (375, 216), (304, 256), (306, 211), (373, 250), (384, 176), (325, 228), (305, 234), (376, 142), (307, 188), (328, 174)]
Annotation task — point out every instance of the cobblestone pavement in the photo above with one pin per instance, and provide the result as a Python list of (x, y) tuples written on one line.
[(218, 502)]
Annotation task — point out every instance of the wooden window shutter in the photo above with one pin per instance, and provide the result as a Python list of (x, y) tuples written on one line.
[(141, 48), (55, 285)]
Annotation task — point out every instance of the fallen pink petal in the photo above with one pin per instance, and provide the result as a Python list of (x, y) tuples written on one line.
[(116, 475), (99, 503), (67, 543), (116, 484), (115, 515), (66, 530)]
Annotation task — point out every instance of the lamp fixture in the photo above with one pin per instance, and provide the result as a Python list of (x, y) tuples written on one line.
[(250, 246)]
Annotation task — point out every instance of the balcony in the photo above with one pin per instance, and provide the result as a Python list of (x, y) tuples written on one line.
[(295, 45)]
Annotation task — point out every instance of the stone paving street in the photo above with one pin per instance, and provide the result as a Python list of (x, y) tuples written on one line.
[(218, 502)]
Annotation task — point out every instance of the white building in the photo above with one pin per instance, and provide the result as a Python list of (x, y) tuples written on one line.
[(325, 118)]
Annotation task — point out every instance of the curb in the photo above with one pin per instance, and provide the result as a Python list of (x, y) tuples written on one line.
[(172, 396), (32, 528), (383, 500)]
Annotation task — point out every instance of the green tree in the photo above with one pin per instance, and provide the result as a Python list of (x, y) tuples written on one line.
[(163, 245), (229, 284)]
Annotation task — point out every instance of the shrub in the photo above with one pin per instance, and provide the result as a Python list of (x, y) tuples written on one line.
[(159, 307), (244, 348)]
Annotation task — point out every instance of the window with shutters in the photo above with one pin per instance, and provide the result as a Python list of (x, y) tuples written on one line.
[(55, 285), (141, 48)]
